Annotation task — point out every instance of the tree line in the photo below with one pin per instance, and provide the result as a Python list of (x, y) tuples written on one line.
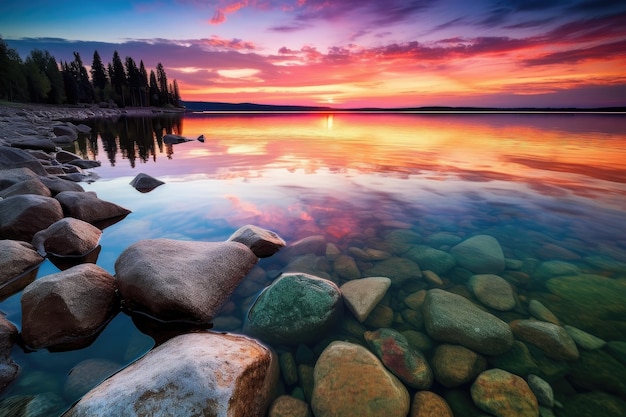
[(40, 79)]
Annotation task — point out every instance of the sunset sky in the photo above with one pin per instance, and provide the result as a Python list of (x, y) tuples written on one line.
[(349, 53)]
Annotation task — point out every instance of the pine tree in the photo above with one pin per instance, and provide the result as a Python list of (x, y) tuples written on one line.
[(153, 89), (162, 80), (118, 79), (133, 80), (13, 86), (143, 85), (176, 94), (98, 77)]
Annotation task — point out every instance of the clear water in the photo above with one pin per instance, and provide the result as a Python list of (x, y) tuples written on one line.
[(536, 182)]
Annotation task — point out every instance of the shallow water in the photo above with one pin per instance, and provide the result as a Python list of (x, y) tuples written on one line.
[(546, 186)]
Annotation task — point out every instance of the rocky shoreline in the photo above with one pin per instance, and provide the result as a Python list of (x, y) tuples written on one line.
[(438, 326)]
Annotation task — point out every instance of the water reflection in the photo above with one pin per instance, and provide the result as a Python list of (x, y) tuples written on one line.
[(546, 187)]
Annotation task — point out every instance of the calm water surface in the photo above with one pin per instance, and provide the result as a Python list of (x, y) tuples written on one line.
[(548, 187)]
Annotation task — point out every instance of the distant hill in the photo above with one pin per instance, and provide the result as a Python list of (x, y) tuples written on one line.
[(207, 106), (247, 107)]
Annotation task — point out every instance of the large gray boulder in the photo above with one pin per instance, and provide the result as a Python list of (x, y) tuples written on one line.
[(452, 318), (196, 374), (13, 176), (18, 158), (68, 236), (16, 258), (181, 280), (31, 186), (56, 185), (296, 308), (61, 308), (480, 254), (264, 243), (88, 207), (22, 216)]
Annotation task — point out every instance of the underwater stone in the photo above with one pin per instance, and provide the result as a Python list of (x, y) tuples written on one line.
[(452, 318), (480, 254), (504, 394), (295, 308), (553, 340), (362, 295), (335, 393)]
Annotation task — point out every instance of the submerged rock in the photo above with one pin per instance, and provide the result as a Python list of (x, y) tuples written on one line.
[(553, 340), (455, 365), (295, 308), (408, 364), (376, 392), (429, 404), (181, 280), (503, 394), (493, 291), (362, 295), (8, 368), (480, 254), (452, 318), (195, 374)]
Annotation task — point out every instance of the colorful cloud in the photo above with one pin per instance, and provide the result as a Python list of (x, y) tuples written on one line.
[(357, 53)]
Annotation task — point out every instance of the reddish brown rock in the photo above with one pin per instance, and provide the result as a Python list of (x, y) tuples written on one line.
[(429, 404), (504, 394)]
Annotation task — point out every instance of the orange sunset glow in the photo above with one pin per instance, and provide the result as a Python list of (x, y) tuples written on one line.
[(353, 54)]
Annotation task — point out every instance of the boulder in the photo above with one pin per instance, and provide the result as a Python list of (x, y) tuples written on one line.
[(555, 268), (22, 216), (32, 142), (346, 268), (86, 375), (408, 364), (362, 295), (542, 390), (541, 312), (296, 308), (181, 280), (504, 394), (56, 185), (195, 374), (452, 318), (86, 206), (13, 176), (65, 130), (429, 404), (315, 245), (553, 340), (351, 381), (287, 406), (16, 258), (31, 186), (431, 259), (584, 339), (67, 237), (493, 291), (398, 270), (263, 243), (172, 139), (455, 365), (480, 254), (73, 304), (18, 158), (145, 183), (84, 163), (8, 368)]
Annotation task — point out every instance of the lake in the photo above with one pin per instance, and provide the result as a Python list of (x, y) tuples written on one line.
[(551, 188)]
